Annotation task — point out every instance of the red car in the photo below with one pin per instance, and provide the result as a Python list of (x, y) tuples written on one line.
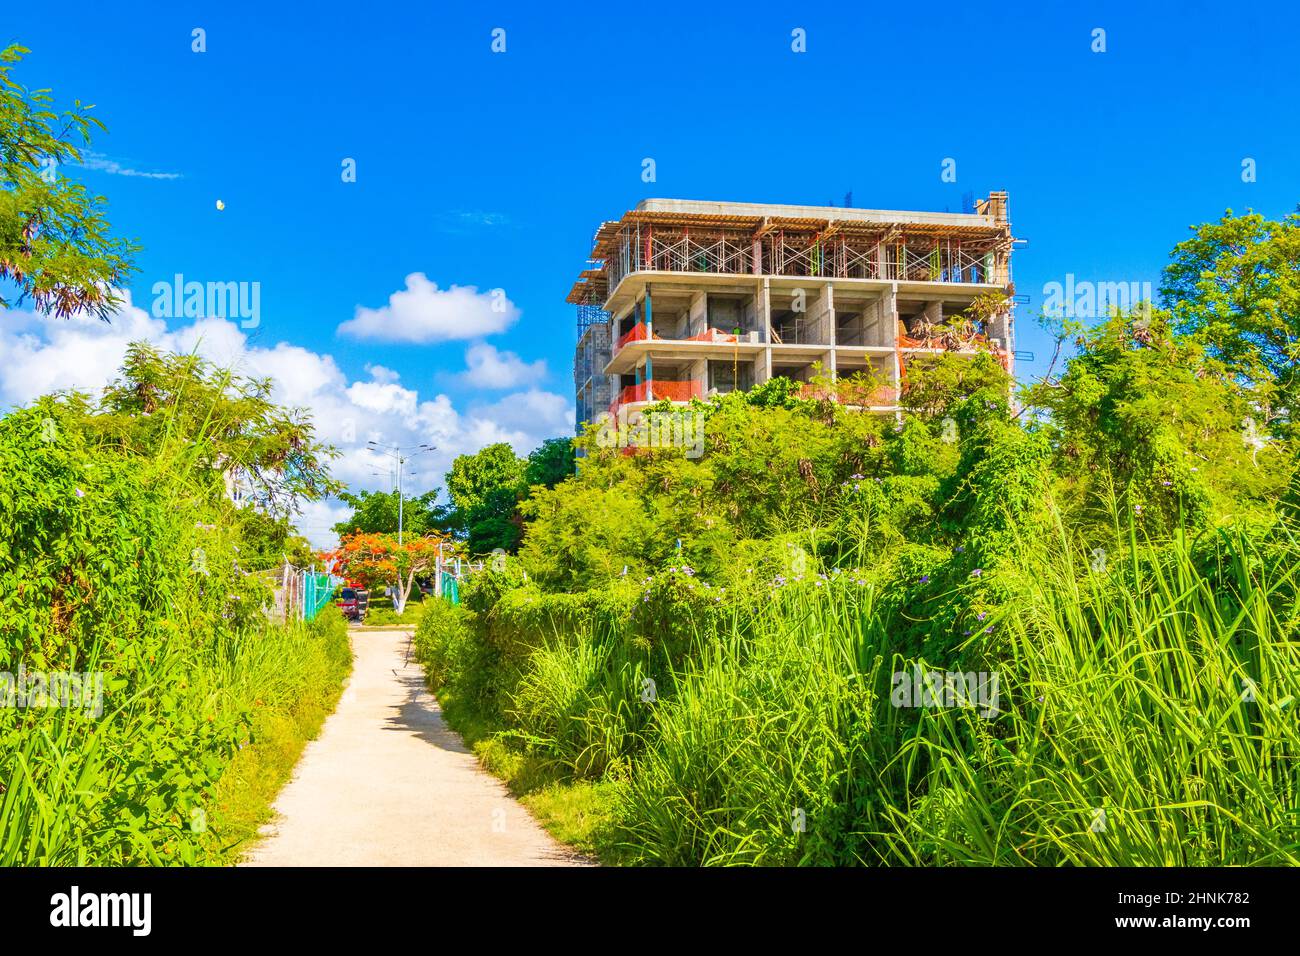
[(352, 603)]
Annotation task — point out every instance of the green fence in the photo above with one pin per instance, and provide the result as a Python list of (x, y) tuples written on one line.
[(450, 588), (317, 590)]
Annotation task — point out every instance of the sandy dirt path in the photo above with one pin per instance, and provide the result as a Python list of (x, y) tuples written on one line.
[(388, 783)]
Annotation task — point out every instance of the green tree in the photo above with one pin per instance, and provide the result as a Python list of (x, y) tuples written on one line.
[(1148, 415), (237, 436), (936, 383), (1236, 286), (473, 477), (54, 240), (485, 489), (376, 512), (267, 541), (550, 463)]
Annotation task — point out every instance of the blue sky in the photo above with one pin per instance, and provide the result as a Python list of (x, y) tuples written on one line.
[(493, 170)]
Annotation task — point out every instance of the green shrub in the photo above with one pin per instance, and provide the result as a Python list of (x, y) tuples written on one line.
[(127, 567)]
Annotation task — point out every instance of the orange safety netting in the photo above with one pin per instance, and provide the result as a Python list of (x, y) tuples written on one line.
[(713, 335), (637, 333), (657, 390)]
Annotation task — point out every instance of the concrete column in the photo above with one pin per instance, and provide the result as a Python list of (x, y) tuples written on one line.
[(698, 318), (829, 314), (820, 321)]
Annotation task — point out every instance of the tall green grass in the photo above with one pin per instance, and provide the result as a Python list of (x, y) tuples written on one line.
[(127, 564), (150, 780), (1151, 720), (1146, 715)]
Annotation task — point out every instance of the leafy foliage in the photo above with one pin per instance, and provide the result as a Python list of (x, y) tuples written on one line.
[(376, 512), (550, 463), (235, 433), (485, 489), (126, 563), (54, 240), (1235, 285)]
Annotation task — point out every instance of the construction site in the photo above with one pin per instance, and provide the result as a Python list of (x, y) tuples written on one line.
[(684, 299)]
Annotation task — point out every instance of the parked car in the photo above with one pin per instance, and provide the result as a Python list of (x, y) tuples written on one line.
[(352, 604)]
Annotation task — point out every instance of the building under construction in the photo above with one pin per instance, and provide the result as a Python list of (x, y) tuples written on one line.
[(685, 299)]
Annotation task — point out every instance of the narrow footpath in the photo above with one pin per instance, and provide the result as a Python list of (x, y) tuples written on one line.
[(388, 783)]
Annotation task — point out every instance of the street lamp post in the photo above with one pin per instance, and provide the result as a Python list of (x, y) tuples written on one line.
[(398, 452)]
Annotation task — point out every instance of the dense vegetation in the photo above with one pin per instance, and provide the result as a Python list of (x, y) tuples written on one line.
[(149, 710), (121, 555), (1064, 634)]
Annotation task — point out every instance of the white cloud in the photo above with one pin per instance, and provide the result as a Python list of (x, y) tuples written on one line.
[(422, 313), (101, 163), (39, 355), (517, 417), (374, 397), (317, 520), (488, 368)]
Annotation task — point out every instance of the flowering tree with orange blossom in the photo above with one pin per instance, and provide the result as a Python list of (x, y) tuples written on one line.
[(374, 559)]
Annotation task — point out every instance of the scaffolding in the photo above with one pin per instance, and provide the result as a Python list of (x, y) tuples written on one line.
[(754, 251), (589, 315), (969, 248)]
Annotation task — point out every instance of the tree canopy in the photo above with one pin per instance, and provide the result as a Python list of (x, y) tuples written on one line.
[(55, 242), (1235, 286), (550, 463), (485, 489), (232, 428), (376, 512)]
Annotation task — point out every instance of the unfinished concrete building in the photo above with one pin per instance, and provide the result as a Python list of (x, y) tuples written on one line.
[(686, 299)]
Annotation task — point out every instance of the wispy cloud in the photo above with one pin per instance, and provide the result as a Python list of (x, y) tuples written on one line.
[(463, 220), (103, 164)]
